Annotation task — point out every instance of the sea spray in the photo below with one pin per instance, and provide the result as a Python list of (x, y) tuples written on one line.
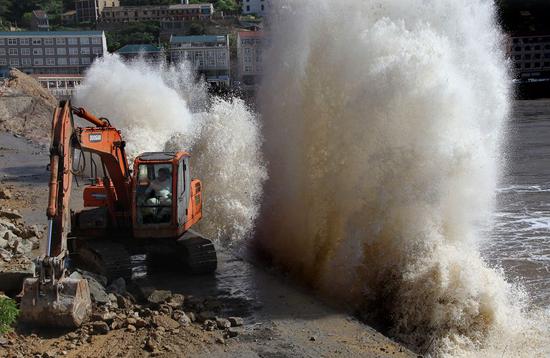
[(163, 107), (383, 123)]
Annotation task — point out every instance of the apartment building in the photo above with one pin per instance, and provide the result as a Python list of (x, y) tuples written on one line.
[(53, 52), (90, 10), (209, 55), (255, 7), (178, 12), (249, 57), (531, 56)]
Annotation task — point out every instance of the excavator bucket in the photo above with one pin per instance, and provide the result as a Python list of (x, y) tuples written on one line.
[(66, 303)]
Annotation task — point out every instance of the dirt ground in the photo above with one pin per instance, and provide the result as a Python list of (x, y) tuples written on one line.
[(281, 319)]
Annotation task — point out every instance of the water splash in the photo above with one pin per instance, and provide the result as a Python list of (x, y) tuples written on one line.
[(162, 107), (383, 123)]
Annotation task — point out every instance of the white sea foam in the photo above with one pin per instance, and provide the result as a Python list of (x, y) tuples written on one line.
[(162, 107), (383, 123)]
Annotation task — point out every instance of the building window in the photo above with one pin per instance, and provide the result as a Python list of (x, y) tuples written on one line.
[(60, 41), (37, 41), (97, 50), (3, 62), (37, 51), (2, 52), (2, 42), (73, 51), (25, 61), (24, 41), (85, 60), (73, 61), (85, 51), (48, 41), (38, 62), (26, 51), (247, 8), (247, 68), (14, 62), (96, 41), (49, 51), (84, 41), (13, 52), (12, 41), (72, 41), (62, 61), (50, 61), (61, 51)]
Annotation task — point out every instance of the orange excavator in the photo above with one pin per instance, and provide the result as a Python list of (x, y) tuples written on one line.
[(149, 209)]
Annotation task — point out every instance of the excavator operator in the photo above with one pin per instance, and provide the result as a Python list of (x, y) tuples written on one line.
[(161, 188)]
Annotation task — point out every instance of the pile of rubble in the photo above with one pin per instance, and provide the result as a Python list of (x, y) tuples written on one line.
[(161, 312), (26, 108), (17, 241), (155, 318)]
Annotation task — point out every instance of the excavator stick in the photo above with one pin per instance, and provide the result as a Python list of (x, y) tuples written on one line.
[(50, 298)]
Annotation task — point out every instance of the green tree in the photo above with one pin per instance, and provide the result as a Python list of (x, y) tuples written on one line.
[(196, 29), (26, 19), (8, 314)]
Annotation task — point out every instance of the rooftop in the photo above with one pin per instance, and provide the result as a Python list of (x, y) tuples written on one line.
[(198, 38), (170, 7), (50, 33), (251, 34), (141, 48), (187, 6)]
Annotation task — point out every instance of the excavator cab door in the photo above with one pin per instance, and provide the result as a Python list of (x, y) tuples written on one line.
[(184, 183)]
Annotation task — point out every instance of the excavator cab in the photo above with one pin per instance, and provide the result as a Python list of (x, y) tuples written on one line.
[(167, 201)]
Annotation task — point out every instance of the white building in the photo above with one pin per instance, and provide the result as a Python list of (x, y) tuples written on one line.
[(209, 55), (257, 7), (61, 86), (249, 56), (531, 56), (51, 52)]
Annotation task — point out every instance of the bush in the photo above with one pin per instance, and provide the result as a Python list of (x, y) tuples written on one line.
[(8, 314)]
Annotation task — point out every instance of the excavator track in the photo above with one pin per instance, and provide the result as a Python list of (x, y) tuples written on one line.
[(198, 253), (109, 259)]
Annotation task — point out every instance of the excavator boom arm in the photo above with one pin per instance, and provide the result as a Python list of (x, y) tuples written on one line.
[(50, 298)]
